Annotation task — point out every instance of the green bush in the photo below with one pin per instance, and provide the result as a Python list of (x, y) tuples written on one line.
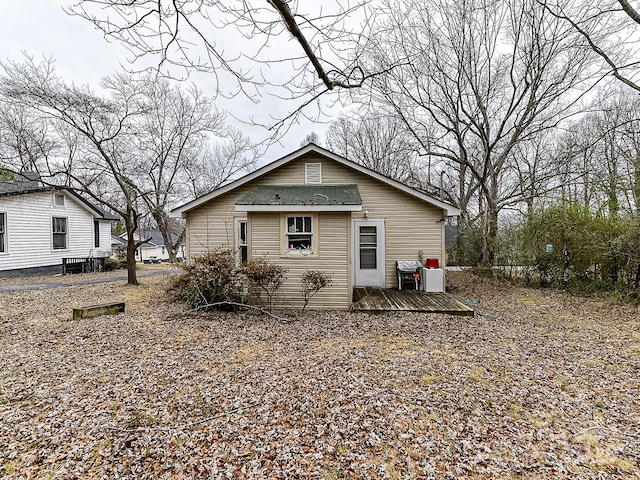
[(580, 241), (111, 264), (467, 249), (627, 247), (210, 282), (588, 252)]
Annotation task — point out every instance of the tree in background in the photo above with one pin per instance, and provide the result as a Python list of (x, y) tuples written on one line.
[(172, 145), (25, 140), (312, 137), (220, 162), (95, 133), (129, 150), (609, 29), (472, 80), (236, 41), (603, 153), (378, 142)]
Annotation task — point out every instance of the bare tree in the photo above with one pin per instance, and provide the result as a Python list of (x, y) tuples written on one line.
[(478, 78), (537, 166), (219, 162), (97, 135), (312, 137), (238, 41), (172, 141), (24, 139), (609, 28), (602, 157), (135, 150), (378, 142)]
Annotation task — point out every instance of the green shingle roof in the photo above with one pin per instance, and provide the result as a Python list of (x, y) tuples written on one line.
[(312, 195)]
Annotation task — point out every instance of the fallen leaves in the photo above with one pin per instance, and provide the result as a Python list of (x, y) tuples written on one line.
[(543, 385)]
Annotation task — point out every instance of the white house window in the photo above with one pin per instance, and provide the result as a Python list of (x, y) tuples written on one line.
[(3, 232), (58, 199), (299, 235), (241, 243), (59, 229), (96, 233), (313, 173)]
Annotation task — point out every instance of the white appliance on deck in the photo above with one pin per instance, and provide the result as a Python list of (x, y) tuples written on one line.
[(433, 279)]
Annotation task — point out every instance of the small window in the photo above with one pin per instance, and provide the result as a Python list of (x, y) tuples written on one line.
[(313, 173), (243, 248), (58, 199), (299, 235), (59, 229), (368, 248), (3, 232), (96, 233)]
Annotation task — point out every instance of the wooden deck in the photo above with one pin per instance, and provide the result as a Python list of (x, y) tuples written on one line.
[(388, 300)]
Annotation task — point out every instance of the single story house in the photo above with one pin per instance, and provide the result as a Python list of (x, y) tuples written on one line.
[(41, 225), (314, 210), (152, 251)]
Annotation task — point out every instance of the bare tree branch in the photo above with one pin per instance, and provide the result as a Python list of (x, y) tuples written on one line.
[(629, 10)]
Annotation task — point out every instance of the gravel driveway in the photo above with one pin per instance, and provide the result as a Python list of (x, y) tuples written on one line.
[(46, 282)]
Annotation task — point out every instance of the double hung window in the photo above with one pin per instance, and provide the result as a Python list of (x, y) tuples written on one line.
[(96, 233), (58, 199), (59, 230), (299, 235), (3, 232), (243, 247)]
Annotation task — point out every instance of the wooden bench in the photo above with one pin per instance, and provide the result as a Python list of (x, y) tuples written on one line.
[(96, 310)]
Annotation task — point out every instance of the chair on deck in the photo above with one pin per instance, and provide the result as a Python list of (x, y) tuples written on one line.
[(408, 272)]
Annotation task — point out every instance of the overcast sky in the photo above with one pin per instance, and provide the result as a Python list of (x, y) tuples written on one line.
[(42, 29)]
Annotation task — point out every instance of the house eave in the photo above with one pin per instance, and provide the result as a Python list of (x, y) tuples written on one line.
[(182, 210), (298, 208)]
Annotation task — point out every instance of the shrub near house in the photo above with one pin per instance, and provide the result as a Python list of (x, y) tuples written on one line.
[(313, 210)]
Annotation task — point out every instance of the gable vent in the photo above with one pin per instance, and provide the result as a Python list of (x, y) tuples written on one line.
[(313, 173)]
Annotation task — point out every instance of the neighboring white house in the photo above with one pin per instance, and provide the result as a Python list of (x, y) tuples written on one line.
[(39, 226), (153, 251)]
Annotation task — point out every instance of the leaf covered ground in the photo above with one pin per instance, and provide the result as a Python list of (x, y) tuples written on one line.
[(539, 385)]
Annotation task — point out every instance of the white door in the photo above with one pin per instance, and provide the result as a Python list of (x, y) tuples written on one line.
[(368, 239)]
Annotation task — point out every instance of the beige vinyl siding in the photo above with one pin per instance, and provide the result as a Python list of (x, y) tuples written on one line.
[(411, 225), (211, 226), (29, 231), (332, 258)]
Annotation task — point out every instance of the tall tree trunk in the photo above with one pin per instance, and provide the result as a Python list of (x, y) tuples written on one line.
[(490, 240), (131, 222)]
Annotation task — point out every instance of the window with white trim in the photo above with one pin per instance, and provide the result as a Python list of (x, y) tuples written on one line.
[(299, 234), (3, 232), (241, 242), (59, 232), (96, 233), (58, 199)]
